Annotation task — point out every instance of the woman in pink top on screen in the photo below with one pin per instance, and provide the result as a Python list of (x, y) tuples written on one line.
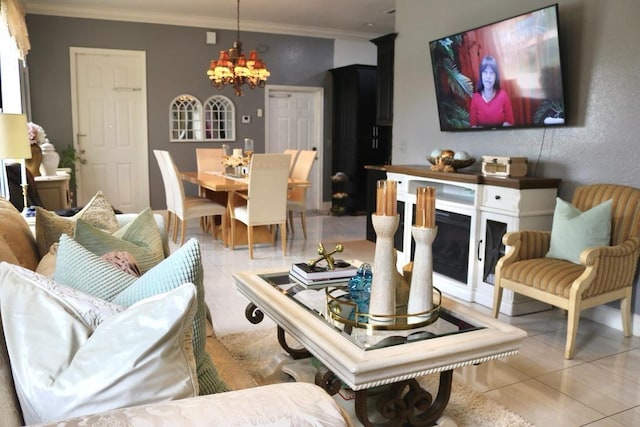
[(490, 105)]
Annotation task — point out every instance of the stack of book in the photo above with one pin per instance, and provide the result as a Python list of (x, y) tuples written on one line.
[(321, 276)]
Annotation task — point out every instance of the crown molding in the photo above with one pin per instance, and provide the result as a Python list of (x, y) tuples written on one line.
[(149, 17)]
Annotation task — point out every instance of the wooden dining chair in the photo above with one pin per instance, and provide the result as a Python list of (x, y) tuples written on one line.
[(182, 206), (296, 197), (294, 156), (265, 202)]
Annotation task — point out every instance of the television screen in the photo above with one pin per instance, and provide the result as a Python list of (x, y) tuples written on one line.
[(502, 75)]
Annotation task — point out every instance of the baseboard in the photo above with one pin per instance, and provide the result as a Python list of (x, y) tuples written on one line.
[(610, 316)]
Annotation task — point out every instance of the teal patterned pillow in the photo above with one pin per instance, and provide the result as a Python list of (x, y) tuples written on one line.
[(141, 238), (79, 268)]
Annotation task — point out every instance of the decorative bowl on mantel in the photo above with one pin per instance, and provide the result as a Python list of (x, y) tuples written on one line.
[(455, 163)]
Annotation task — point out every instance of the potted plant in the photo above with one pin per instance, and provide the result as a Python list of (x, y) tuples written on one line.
[(69, 158)]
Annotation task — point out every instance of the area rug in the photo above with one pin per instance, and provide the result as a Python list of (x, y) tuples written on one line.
[(255, 351)]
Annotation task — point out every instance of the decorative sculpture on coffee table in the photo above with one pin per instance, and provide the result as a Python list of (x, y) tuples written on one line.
[(382, 303), (327, 256), (424, 231)]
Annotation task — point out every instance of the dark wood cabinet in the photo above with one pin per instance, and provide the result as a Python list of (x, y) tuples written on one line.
[(357, 139), (384, 101)]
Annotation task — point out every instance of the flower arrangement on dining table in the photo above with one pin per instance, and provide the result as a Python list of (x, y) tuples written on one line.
[(234, 161)]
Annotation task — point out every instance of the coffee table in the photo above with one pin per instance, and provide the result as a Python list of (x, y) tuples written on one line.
[(384, 363)]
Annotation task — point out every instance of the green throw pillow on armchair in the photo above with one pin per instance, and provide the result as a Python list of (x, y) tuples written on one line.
[(573, 230), (81, 269)]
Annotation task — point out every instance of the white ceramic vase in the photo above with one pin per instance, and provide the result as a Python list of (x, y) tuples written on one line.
[(421, 291), (50, 159), (383, 285)]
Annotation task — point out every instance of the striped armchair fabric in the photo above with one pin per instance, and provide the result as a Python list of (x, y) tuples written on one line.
[(604, 274)]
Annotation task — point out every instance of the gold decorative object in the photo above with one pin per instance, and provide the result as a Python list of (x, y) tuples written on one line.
[(449, 161), (327, 256), (345, 311)]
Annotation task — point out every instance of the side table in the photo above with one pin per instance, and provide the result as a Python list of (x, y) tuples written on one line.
[(54, 191)]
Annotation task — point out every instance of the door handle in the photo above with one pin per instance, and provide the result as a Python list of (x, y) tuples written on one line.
[(478, 250)]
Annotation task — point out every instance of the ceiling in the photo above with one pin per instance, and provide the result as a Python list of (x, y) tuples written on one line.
[(339, 19)]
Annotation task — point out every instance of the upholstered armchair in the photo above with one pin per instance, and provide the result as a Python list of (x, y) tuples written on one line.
[(603, 274)]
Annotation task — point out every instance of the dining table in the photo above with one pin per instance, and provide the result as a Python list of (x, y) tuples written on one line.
[(217, 186)]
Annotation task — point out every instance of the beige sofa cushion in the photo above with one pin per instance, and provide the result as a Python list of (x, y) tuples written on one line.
[(286, 404), (19, 243), (9, 405)]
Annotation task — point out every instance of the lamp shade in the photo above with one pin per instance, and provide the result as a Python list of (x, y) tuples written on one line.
[(14, 137)]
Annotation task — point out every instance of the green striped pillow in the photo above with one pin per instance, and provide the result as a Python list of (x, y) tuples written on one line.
[(141, 238)]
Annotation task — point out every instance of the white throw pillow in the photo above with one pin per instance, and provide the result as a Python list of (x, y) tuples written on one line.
[(73, 354)]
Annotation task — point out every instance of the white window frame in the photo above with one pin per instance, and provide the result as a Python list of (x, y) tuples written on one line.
[(190, 121), (219, 119), (185, 119)]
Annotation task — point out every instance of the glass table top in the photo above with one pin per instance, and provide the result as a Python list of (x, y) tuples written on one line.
[(367, 338)]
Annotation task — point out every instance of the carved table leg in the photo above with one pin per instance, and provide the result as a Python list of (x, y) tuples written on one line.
[(406, 403), (328, 381), (253, 314), (296, 353)]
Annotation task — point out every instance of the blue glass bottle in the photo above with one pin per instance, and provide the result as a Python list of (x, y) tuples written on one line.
[(360, 290)]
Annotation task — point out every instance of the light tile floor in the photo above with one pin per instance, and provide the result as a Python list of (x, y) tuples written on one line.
[(600, 387)]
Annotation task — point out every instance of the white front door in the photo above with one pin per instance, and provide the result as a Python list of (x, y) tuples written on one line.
[(109, 107), (294, 120)]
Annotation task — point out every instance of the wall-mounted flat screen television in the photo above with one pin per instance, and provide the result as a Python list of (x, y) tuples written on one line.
[(502, 75)]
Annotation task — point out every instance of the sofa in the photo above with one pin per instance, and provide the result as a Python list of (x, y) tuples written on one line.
[(247, 404)]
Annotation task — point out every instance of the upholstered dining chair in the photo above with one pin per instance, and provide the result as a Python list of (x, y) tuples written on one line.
[(208, 160), (294, 156), (183, 207), (601, 274), (296, 197), (168, 188), (265, 202)]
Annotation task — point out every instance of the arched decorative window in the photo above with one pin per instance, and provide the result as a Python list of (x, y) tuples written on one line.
[(219, 119), (185, 118)]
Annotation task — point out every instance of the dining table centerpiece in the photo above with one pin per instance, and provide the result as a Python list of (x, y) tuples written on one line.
[(236, 164)]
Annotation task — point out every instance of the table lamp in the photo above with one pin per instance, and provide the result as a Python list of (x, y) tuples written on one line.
[(14, 145)]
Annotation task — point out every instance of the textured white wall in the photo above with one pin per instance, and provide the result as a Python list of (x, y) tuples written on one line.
[(601, 65)]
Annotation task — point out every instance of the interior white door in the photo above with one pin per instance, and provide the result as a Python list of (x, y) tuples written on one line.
[(294, 120), (110, 125)]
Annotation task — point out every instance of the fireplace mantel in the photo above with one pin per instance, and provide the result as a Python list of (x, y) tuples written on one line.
[(424, 171), (492, 206)]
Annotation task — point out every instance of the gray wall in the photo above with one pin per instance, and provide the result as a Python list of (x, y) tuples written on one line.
[(177, 59), (601, 60)]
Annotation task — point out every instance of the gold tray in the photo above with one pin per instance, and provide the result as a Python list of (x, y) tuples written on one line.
[(337, 305)]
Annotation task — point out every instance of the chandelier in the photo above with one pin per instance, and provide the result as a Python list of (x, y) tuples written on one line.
[(232, 67)]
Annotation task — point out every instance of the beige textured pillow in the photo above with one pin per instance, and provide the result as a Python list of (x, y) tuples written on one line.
[(99, 356), (49, 226)]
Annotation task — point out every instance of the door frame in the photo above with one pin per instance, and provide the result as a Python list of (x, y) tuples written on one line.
[(143, 159), (318, 93)]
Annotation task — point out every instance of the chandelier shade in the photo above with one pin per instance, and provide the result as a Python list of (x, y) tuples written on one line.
[(234, 69)]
